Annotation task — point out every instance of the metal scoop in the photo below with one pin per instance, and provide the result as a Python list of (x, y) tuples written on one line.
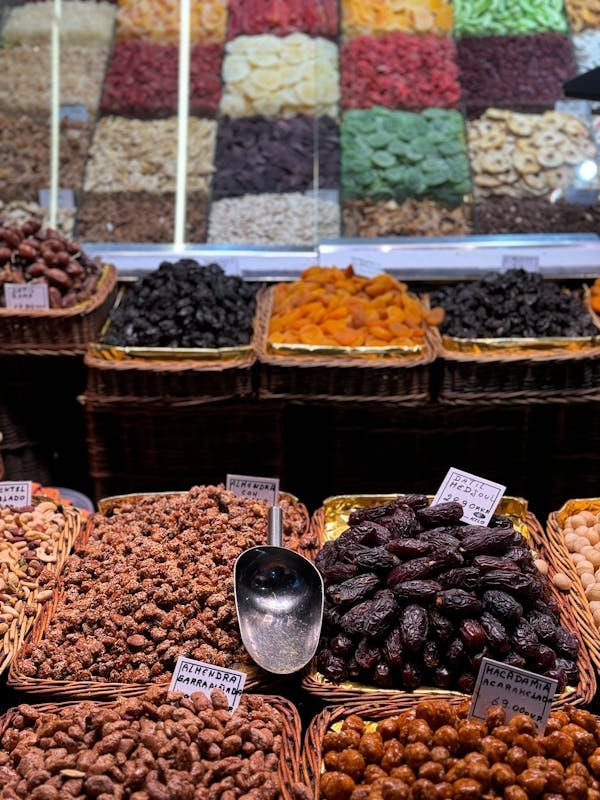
[(279, 601)]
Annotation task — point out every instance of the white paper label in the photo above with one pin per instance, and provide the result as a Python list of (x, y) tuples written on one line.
[(479, 496), (76, 112), (529, 263), (195, 676), (66, 198), (516, 690), (15, 494), (26, 295), (254, 488), (368, 269)]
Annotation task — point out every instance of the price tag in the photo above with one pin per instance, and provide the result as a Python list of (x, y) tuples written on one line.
[(254, 488), (368, 269), (195, 676), (26, 295), (529, 263), (584, 197), (479, 496), (516, 690), (15, 494), (66, 198), (76, 112)]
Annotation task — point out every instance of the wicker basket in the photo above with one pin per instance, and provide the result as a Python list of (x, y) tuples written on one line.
[(317, 685), (256, 678), (289, 767), (398, 379), (56, 331)]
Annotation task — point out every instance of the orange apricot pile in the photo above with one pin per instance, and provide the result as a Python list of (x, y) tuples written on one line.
[(595, 296), (330, 306)]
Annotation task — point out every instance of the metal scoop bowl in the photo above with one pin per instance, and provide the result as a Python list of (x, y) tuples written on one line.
[(279, 602)]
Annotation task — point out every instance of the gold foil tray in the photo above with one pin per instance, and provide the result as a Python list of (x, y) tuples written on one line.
[(575, 506), (331, 351), (337, 510), (500, 346)]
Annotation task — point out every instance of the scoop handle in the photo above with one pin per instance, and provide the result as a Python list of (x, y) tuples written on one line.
[(275, 526)]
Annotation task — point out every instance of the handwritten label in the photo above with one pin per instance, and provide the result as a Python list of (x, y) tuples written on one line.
[(368, 269), (516, 690), (478, 495), (66, 198), (15, 494), (73, 111), (195, 676), (254, 488), (529, 263), (26, 295)]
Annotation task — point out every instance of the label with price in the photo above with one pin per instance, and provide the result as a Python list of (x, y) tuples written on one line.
[(479, 496), (516, 690), (15, 494), (26, 295)]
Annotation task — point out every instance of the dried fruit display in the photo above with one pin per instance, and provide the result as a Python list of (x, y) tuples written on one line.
[(287, 75), (330, 306), (315, 17), (184, 305), (17, 212), (260, 154), (382, 16), (515, 303), (430, 596), (595, 296), (411, 218), (435, 751), (523, 16), (155, 581), (399, 155), (30, 254), (398, 70), (581, 532), (138, 217), (536, 215), (582, 14), (141, 80), (521, 155), (516, 72), (158, 745), (82, 23), (158, 20)]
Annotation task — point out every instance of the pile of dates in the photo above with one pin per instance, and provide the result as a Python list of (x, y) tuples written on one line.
[(185, 305), (416, 597), (29, 254), (515, 303)]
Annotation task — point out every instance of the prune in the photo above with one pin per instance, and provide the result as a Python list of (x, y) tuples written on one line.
[(409, 548), (431, 654), (378, 558), (567, 644), (392, 648), (353, 621), (338, 573), (507, 580), (382, 613), (414, 626), (441, 514), (456, 653), (488, 541), (411, 570), (502, 605), (496, 634), (440, 537), (486, 563), (401, 523), (569, 667), (524, 638), (424, 591), (441, 625), (331, 666), (544, 626), (382, 675), (460, 577), (411, 676), (442, 677), (367, 654), (540, 657), (341, 645), (353, 590), (458, 603), (472, 634)]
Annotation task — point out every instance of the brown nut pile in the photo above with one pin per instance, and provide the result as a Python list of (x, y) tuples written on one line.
[(433, 752), (411, 218), (17, 212), (29, 254), (160, 746), (523, 155), (154, 582)]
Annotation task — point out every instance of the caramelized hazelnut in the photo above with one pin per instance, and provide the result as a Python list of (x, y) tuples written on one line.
[(467, 789), (336, 786)]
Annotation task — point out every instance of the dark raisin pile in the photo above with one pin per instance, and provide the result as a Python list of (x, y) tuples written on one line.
[(512, 304), (185, 305)]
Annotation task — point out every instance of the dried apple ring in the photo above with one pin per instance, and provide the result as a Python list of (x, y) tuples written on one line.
[(526, 163), (496, 162), (550, 157), (520, 126)]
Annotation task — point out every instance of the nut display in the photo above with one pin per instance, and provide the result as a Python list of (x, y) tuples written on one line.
[(158, 20), (520, 155), (415, 597), (154, 582), (257, 16), (398, 155), (330, 306), (16, 212), (521, 16), (536, 215), (285, 75), (272, 219), (81, 23), (142, 76), (131, 155), (525, 72), (184, 305), (29, 253), (258, 154), (434, 750), (156, 746), (398, 70), (581, 533), (376, 17), (513, 304), (411, 218)]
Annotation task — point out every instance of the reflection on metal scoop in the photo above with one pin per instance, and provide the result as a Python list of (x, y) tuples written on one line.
[(279, 601)]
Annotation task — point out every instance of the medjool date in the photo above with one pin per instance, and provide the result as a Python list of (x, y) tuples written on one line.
[(415, 501), (373, 513), (411, 675), (460, 577), (446, 557), (544, 626), (431, 654), (440, 537), (401, 523), (353, 621), (341, 645), (488, 541), (567, 644), (382, 675), (332, 616), (381, 614), (372, 533), (392, 648), (331, 666), (327, 556), (367, 654), (524, 638), (515, 660), (456, 653), (441, 514), (472, 634), (414, 626), (570, 669), (506, 580), (442, 677), (441, 625), (378, 558), (424, 591), (502, 605), (338, 573), (540, 657), (486, 563), (353, 590), (496, 634), (458, 603), (411, 570)]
